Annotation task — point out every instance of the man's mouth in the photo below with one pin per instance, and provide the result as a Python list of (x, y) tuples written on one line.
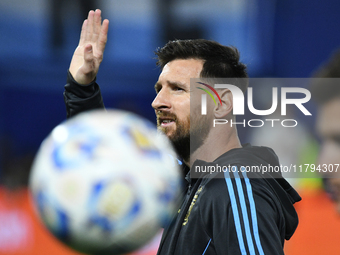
[(165, 119), (166, 122)]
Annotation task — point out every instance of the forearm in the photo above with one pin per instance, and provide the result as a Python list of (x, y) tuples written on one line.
[(79, 98)]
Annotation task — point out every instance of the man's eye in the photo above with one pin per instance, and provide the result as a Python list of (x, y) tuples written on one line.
[(178, 89)]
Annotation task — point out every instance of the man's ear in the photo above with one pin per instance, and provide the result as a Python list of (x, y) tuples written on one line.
[(223, 110)]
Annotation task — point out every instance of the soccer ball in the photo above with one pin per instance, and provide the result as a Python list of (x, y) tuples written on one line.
[(105, 182)]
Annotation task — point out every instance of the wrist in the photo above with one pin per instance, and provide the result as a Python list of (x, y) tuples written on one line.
[(81, 91), (71, 79)]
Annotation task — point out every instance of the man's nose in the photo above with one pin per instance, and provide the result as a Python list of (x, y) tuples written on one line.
[(161, 101)]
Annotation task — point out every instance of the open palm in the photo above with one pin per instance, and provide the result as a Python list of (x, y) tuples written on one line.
[(89, 53)]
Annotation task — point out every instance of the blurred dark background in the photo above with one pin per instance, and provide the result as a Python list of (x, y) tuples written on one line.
[(276, 38), (37, 38)]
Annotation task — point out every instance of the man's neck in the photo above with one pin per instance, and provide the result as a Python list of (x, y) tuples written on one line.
[(217, 143)]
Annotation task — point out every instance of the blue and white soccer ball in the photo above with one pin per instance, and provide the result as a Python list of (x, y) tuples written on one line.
[(104, 182)]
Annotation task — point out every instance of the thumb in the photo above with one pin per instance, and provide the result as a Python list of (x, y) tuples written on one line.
[(89, 59), (88, 54)]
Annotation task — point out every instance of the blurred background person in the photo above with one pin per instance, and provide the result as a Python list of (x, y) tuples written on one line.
[(326, 92), (318, 231)]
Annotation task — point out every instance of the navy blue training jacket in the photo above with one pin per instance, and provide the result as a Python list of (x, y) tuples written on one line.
[(226, 213)]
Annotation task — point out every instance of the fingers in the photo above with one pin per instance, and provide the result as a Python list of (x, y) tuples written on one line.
[(97, 24), (93, 30), (83, 33), (103, 36), (89, 59), (89, 27)]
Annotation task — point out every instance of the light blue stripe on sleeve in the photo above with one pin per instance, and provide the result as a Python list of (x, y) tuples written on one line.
[(253, 212), (235, 213), (206, 247), (244, 214)]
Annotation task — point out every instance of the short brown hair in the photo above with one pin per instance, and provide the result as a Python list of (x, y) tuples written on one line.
[(219, 61)]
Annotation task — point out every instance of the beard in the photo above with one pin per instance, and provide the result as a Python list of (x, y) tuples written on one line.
[(184, 139)]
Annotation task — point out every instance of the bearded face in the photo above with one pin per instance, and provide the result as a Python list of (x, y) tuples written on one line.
[(186, 134), (177, 130), (172, 106)]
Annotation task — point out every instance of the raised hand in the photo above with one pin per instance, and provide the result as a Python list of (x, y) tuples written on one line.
[(89, 53)]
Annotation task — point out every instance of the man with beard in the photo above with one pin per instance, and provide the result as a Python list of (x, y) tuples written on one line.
[(230, 213)]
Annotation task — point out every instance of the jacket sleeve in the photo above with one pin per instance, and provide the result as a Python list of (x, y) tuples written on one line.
[(79, 98), (245, 220)]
